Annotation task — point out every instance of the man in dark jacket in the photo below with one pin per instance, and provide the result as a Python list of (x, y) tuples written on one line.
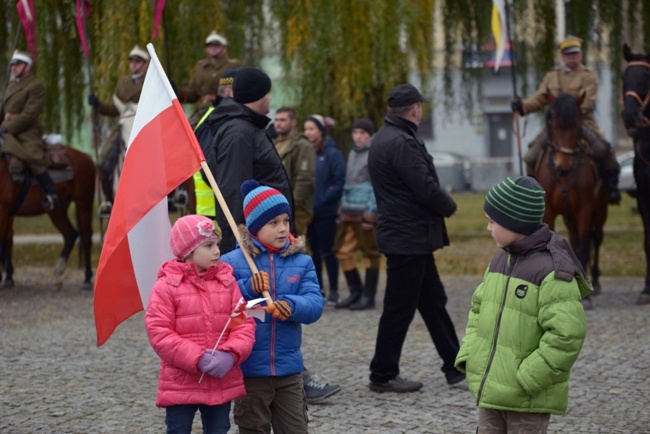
[(412, 207), (241, 148)]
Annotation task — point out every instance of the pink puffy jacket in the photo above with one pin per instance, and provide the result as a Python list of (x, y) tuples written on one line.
[(185, 316)]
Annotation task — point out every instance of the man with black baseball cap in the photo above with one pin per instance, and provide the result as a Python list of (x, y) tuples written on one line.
[(412, 206)]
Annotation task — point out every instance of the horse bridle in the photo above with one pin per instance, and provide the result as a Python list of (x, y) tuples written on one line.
[(643, 102)]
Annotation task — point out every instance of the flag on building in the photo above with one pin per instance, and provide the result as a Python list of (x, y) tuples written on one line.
[(499, 30), (162, 154)]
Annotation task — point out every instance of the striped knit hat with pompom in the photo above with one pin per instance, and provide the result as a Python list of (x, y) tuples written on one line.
[(516, 204), (261, 205)]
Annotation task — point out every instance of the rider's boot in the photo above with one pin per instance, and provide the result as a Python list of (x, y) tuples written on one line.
[(611, 183), (51, 199), (534, 153)]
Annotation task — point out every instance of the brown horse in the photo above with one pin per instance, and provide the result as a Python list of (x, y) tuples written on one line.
[(573, 187), (29, 202), (636, 116)]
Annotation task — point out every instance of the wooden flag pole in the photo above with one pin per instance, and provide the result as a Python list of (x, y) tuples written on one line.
[(232, 224)]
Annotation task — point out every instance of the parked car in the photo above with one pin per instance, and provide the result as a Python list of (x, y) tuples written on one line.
[(626, 182), (453, 170)]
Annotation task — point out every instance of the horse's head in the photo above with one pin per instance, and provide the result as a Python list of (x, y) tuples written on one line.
[(636, 91), (564, 121)]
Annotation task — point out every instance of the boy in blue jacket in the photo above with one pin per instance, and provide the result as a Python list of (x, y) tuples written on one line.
[(526, 325), (272, 373)]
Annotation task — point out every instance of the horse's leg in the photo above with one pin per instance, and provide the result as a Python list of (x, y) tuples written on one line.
[(9, 264), (59, 217), (84, 212), (600, 216), (6, 222), (643, 203)]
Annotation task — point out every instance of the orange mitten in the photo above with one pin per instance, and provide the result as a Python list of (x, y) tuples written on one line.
[(260, 282), (279, 309)]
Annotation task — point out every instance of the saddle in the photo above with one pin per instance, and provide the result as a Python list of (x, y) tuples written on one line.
[(60, 168)]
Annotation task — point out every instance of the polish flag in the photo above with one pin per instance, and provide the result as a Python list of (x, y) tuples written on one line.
[(162, 153), (27, 15)]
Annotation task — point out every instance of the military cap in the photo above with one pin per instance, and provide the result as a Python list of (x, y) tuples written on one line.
[(571, 45), (20, 56), (215, 38), (139, 53), (228, 77)]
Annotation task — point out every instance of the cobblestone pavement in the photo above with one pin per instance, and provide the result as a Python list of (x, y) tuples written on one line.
[(55, 380)]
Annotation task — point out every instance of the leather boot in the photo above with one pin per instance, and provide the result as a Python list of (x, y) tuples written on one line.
[(51, 199), (611, 182), (367, 300), (354, 285), (534, 153)]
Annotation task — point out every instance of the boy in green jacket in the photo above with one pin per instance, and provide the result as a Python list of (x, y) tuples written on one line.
[(526, 325)]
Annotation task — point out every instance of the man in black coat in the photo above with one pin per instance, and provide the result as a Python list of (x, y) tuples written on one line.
[(412, 207), (241, 148)]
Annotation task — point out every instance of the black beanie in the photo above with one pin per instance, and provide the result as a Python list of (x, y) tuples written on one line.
[(516, 204), (251, 84), (364, 124)]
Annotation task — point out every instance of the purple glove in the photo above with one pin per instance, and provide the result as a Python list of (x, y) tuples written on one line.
[(216, 364)]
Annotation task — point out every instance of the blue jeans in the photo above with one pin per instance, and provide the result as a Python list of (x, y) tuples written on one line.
[(215, 418)]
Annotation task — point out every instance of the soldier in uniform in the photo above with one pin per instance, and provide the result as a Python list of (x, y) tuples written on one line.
[(124, 104), (205, 83), (20, 130), (299, 160), (572, 78)]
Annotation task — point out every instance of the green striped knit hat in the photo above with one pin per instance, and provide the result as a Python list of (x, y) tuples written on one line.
[(517, 204)]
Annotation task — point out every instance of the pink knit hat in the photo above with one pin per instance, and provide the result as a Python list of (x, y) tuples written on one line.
[(190, 231)]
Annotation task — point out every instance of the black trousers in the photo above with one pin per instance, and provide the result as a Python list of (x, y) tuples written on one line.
[(412, 283)]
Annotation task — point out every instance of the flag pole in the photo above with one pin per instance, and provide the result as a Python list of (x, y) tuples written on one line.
[(218, 340), (6, 82), (514, 85), (205, 167), (94, 118)]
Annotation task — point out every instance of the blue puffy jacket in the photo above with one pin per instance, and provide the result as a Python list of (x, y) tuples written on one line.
[(292, 277), (330, 178)]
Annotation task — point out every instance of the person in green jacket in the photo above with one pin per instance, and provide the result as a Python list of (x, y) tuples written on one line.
[(526, 325)]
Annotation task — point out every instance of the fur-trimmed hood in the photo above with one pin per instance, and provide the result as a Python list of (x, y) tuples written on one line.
[(255, 247)]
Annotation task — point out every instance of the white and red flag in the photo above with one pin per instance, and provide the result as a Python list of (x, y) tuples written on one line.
[(27, 15), (82, 10), (162, 153), (158, 10)]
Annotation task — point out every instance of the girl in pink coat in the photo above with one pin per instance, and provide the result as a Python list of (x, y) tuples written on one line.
[(189, 307)]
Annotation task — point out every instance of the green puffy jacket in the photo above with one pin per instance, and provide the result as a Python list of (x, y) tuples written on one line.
[(526, 327)]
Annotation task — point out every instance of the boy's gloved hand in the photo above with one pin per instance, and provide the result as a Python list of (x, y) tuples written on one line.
[(216, 364), (260, 282), (280, 309)]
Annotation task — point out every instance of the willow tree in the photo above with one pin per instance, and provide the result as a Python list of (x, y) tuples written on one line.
[(339, 57)]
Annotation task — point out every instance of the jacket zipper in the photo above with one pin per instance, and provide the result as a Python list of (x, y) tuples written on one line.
[(273, 321), (496, 335)]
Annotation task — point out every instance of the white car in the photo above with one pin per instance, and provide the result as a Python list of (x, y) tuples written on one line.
[(626, 182)]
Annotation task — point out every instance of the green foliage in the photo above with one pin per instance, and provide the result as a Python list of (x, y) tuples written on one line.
[(339, 57)]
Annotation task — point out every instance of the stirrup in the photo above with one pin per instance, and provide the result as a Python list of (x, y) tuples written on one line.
[(16, 166), (104, 209), (50, 201)]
